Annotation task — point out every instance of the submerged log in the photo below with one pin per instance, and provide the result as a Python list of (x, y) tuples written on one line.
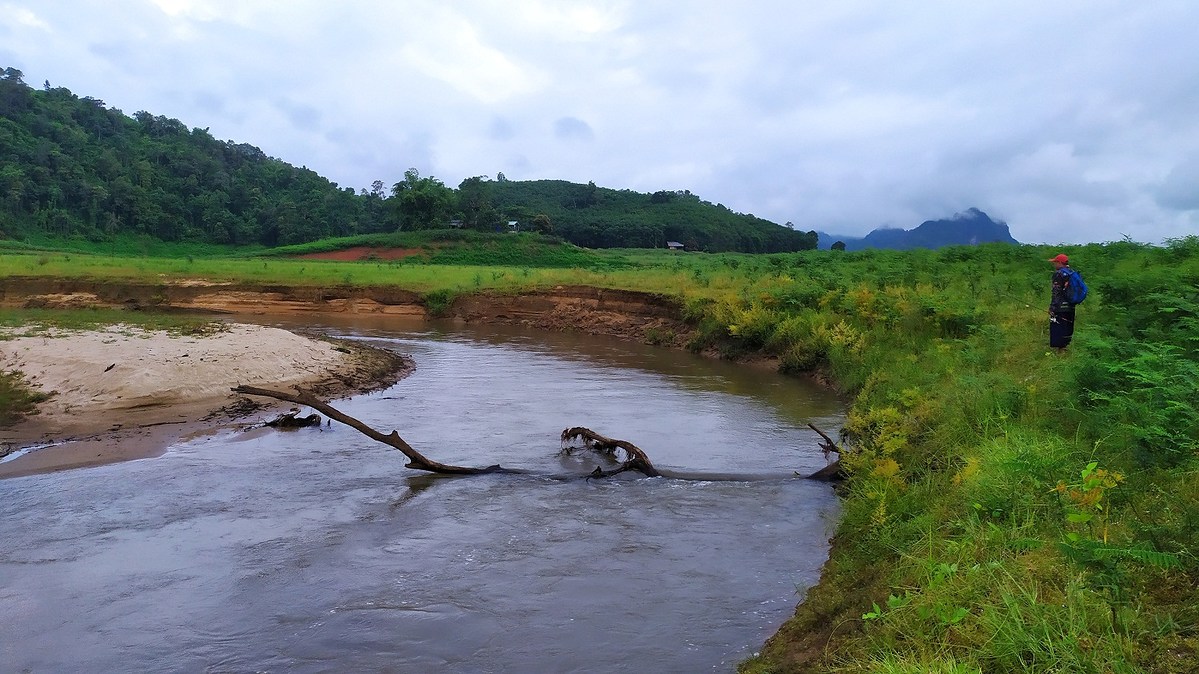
[(636, 459), (291, 419), (830, 473)]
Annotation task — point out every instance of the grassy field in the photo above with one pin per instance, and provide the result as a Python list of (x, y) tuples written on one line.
[(1009, 508)]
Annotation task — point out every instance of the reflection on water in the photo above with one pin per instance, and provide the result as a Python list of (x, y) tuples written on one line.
[(316, 550)]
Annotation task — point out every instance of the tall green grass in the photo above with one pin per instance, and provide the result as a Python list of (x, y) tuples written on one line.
[(124, 245), (1009, 508)]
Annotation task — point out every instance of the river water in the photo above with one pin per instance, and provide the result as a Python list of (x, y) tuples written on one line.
[(316, 550)]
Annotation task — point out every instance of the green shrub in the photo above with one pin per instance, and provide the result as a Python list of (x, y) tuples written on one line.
[(17, 399), (439, 302)]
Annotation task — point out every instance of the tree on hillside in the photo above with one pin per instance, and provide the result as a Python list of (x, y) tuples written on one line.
[(422, 202), (14, 95), (474, 204)]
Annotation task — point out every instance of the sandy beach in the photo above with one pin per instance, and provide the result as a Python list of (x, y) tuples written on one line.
[(122, 392)]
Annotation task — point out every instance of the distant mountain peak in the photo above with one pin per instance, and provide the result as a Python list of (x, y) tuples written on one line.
[(969, 227)]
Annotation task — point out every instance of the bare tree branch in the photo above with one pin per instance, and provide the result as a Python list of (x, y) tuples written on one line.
[(416, 460), (833, 470), (828, 446)]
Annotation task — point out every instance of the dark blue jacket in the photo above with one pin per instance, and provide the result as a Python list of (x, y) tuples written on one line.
[(1059, 301)]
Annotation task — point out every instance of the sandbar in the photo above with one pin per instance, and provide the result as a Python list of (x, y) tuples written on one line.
[(121, 392)]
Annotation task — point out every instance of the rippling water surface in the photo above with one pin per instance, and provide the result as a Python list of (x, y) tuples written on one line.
[(316, 550)]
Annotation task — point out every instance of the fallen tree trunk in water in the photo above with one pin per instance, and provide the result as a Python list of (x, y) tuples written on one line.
[(636, 458), (830, 473), (828, 446), (416, 460)]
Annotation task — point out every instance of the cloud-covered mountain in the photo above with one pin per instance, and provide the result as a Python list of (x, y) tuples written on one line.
[(968, 228)]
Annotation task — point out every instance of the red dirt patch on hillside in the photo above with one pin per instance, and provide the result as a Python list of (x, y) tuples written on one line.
[(363, 253)]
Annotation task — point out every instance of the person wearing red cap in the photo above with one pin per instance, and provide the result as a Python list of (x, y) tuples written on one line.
[(1061, 309)]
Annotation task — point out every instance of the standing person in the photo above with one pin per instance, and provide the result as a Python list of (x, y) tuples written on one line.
[(1061, 309)]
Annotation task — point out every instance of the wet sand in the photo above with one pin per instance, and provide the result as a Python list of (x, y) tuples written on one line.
[(121, 393)]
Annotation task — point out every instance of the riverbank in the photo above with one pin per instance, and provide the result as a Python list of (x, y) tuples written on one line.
[(121, 392), (970, 538), (627, 314)]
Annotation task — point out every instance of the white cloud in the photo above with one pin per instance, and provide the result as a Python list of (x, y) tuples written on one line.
[(21, 17), (566, 21), (1180, 189), (573, 128), (1071, 121), (190, 9)]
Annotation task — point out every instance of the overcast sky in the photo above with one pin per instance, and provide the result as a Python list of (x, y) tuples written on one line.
[(1071, 121)]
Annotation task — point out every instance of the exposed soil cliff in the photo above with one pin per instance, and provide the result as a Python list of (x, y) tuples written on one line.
[(619, 313)]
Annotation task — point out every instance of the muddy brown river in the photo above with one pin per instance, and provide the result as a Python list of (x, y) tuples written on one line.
[(317, 551)]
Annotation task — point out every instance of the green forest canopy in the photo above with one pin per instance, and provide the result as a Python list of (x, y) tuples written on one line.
[(71, 167)]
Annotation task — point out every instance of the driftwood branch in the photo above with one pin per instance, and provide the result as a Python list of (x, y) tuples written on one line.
[(416, 460), (833, 470), (828, 446), (636, 459)]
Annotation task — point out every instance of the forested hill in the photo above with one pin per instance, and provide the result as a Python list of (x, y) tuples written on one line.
[(597, 217), (72, 167)]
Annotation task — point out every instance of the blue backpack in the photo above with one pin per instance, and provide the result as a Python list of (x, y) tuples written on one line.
[(1076, 288)]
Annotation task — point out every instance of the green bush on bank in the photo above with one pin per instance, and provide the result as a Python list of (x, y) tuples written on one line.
[(17, 399), (1009, 508)]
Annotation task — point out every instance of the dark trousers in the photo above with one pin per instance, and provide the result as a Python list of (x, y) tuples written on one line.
[(1061, 329)]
